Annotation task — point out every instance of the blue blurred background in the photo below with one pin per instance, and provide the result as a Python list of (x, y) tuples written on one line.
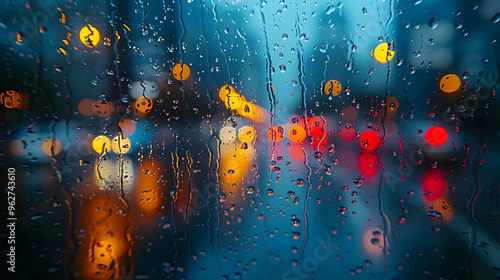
[(142, 137)]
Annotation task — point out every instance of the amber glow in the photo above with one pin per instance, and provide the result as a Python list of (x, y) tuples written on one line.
[(51, 147), (234, 168), (104, 243), (450, 83), (333, 87), (181, 71), (297, 133), (276, 133), (148, 186), (392, 104), (143, 104), (15, 100), (444, 211)]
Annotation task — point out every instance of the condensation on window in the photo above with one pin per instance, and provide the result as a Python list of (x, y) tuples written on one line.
[(250, 139)]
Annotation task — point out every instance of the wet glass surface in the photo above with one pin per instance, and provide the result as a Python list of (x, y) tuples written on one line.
[(250, 139)]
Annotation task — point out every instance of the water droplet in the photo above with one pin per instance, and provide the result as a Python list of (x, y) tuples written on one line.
[(359, 182), (327, 169), (433, 23), (324, 47), (318, 155), (250, 189), (495, 18), (359, 269), (330, 9), (434, 214)]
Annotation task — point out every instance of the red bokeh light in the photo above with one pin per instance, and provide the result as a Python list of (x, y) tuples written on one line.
[(436, 136), (369, 140), (433, 184), (368, 163), (347, 134)]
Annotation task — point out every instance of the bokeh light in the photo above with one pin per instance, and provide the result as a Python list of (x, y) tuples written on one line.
[(436, 136), (101, 144), (89, 36), (384, 53), (369, 140), (450, 83)]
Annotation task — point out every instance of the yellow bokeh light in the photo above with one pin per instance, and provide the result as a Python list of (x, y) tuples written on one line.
[(246, 134), (101, 143), (89, 35), (252, 111), (247, 110), (234, 100), (333, 87), (181, 71), (233, 169), (225, 91), (383, 53), (450, 83), (120, 145), (51, 148)]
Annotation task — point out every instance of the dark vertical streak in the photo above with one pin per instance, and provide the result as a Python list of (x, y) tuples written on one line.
[(481, 154), (301, 66)]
